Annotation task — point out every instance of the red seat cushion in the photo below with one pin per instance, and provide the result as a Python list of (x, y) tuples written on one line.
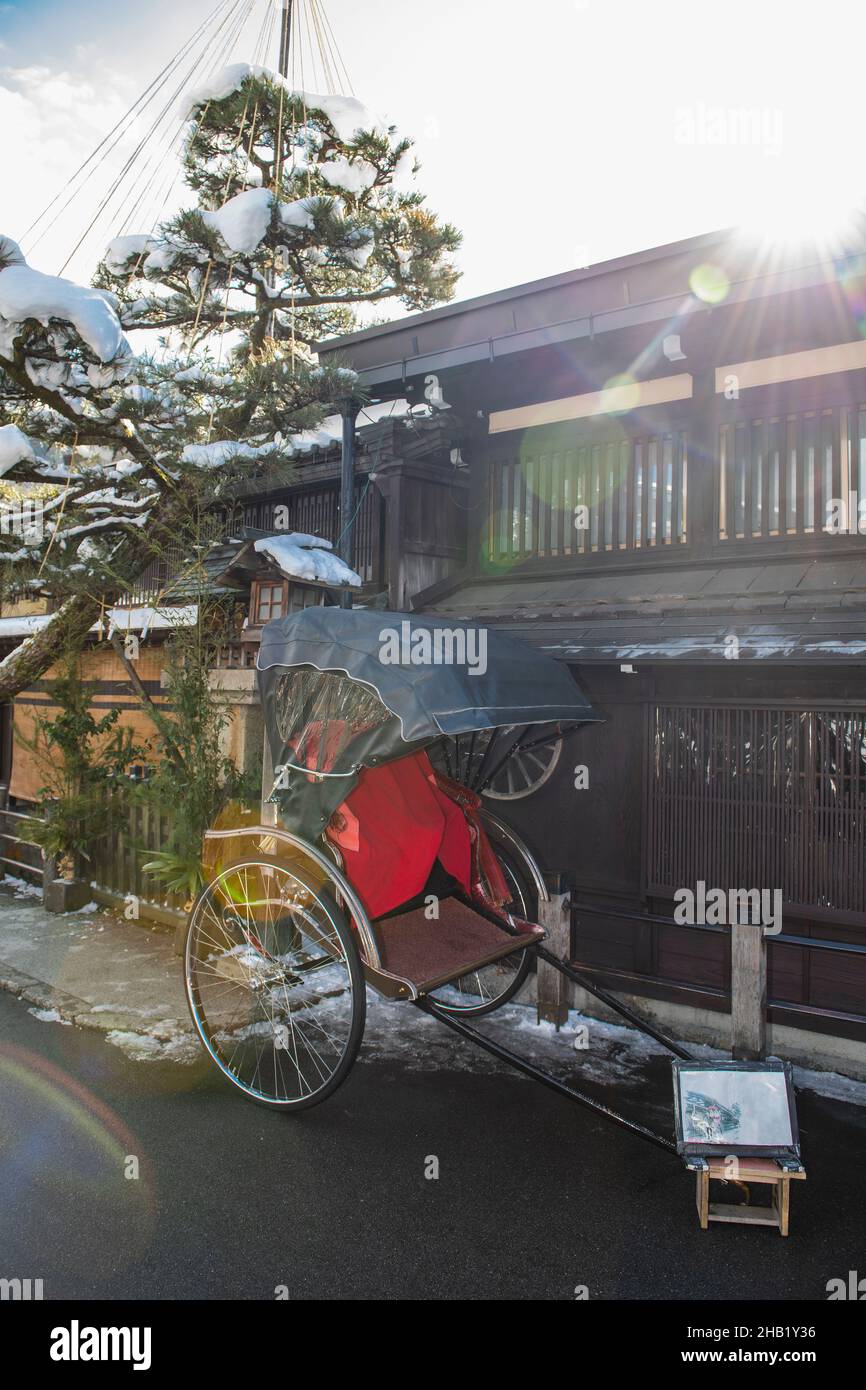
[(391, 829)]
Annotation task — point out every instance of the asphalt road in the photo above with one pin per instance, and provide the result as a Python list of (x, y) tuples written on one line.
[(534, 1196)]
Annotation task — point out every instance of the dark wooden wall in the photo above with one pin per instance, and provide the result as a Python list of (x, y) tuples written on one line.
[(597, 838)]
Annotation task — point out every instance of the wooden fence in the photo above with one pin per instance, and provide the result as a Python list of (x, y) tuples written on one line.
[(138, 829), (20, 857)]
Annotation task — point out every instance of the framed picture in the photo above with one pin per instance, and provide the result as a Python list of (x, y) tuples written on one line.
[(745, 1108)]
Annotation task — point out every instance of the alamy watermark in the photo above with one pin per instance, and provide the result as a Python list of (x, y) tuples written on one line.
[(22, 517), (846, 517), (21, 1290), (729, 907), (740, 127), (77, 1343), (434, 646)]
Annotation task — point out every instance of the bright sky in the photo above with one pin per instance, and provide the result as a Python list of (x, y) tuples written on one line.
[(554, 134)]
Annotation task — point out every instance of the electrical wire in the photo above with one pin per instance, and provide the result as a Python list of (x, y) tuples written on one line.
[(149, 93)]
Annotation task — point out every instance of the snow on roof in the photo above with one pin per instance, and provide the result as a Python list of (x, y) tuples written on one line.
[(23, 626), (330, 431), (323, 436), (145, 620), (28, 294), (15, 447), (347, 115), (224, 451), (140, 620), (299, 556)]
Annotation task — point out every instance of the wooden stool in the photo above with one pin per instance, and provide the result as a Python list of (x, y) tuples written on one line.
[(750, 1170)]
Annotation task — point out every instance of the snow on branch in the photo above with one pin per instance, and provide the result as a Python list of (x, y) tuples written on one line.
[(29, 294), (15, 447), (348, 116)]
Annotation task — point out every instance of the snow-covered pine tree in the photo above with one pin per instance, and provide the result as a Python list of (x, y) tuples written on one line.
[(305, 213)]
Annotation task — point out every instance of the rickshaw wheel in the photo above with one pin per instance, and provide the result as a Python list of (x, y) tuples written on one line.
[(487, 989), (274, 982)]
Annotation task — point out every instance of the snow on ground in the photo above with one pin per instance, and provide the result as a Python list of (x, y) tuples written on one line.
[(307, 557), (50, 1016), (586, 1053), (20, 886)]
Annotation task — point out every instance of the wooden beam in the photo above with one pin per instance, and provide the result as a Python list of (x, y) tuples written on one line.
[(554, 990), (635, 395), (748, 991)]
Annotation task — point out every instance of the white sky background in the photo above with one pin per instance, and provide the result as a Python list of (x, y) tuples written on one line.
[(554, 134)]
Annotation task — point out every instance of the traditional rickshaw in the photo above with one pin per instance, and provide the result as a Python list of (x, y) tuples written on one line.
[(376, 860)]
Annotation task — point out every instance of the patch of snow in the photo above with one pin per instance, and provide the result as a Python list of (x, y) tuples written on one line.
[(15, 447), (145, 1047), (347, 115), (404, 169), (307, 557), (224, 451), (21, 887), (358, 256), (121, 250), (352, 176), (145, 620), (24, 626), (10, 252), (243, 221), (26, 293), (297, 215), (50, 1016)]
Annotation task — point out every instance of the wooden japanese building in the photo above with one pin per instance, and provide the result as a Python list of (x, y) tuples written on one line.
[(655, 468)]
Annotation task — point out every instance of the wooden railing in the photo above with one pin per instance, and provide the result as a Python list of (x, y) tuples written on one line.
[(317, 512), (18, 854), (603, 497)]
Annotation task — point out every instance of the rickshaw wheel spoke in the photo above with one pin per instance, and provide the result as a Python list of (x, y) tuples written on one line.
[(274, 981)]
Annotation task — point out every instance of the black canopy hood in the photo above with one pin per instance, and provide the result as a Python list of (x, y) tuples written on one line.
[(437, 675)]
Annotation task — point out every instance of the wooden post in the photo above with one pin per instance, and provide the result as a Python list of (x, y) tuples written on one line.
[(748, 991), (554, 990)]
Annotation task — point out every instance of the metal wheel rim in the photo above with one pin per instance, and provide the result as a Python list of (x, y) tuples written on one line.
[(277, 1026)]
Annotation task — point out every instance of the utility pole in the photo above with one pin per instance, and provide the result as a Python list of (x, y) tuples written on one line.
[(346, 549), (285, 36)]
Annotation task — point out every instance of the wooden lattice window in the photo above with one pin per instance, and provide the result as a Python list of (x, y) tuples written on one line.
[(779, 474), (619, 494), (747, 797)]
